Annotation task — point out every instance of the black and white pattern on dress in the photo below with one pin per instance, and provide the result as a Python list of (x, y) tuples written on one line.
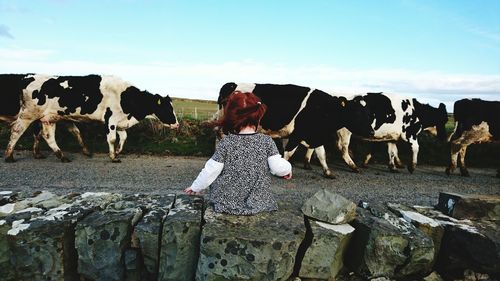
[(244, 185)]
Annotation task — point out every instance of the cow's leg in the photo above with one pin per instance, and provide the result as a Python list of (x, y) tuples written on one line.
[(320, 152), (343, 141), (111, 138), (461, 162), (454, 151), (392, 150), (290, 149), (397, 161), (368, 157), (37, 136), (49, 134), (414, 155), (16, 131), (122, 134), (73, 129), (307, 159)]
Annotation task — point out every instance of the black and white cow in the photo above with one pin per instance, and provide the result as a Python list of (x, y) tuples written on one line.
[(107, 99), (304, 115), (476, 121), (394, 118), (12, 86)]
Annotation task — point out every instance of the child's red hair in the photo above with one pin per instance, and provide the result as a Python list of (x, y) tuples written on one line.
[(241, 110)]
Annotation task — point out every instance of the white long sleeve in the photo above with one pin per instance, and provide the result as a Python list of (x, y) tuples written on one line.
[(207, 176), (279, 166)]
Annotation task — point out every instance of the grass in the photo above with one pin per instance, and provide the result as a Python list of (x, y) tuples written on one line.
[(197, 109)]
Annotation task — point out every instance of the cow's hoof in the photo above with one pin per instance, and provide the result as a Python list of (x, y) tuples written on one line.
[(116, 160), (87, 153), (394, 170), (464, 172), (355, 170), (307, 166), (10, 159), (329, 176), (65, 159), (411, 169), (449, 171), (39, 156)]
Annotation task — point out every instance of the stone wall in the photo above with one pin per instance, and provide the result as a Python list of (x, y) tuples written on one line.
[(104, 236)]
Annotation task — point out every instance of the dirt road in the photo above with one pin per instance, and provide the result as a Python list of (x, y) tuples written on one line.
[(167, 174)]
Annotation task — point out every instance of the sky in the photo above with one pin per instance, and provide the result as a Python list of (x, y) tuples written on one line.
[(433, 50)]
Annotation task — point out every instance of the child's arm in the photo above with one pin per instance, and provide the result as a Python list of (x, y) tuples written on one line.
[(279, 166), (205, 178)]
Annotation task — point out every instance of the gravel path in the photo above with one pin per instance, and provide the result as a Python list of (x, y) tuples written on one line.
[(167, 174)]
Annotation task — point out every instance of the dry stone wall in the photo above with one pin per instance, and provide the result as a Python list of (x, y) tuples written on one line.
[(105, 236)]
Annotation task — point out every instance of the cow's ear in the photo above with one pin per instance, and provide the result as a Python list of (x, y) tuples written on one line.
[(442, 106)]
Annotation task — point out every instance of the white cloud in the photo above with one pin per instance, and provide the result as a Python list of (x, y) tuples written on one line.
[(203, 81), (4, 32)]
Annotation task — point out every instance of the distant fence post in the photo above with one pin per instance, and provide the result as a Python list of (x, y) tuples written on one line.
[(195, 113)]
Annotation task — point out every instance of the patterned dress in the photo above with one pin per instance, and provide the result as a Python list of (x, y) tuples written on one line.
[(244, 185)]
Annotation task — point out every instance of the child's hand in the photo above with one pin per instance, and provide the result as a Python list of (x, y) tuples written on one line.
[(287, 177), (189, 191)]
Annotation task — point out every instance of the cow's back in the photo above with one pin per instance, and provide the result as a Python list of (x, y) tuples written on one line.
[(283, 103), (472, 112)]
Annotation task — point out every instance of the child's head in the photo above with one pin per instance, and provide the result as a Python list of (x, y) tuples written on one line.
[(241, 110)]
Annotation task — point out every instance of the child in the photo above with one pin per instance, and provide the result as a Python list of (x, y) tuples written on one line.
[(238, 172)]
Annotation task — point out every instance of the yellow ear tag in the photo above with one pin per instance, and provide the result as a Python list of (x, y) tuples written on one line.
[(159, 101), (343, 103)]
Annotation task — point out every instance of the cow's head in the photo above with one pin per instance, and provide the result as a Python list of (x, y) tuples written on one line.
[(164, 111), (357, 116), (433, 119), (224, 92), (441, 116)]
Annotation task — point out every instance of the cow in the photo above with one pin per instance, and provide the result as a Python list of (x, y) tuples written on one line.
[(107, 99), (12, 89), (395, 118), (476, 121), (304, 115)]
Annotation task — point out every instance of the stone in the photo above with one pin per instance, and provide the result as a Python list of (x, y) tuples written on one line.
[(429, 226), (181, 239), (434, 276), (384, 245), (466, 245), (148, 232), (259, 247), (42, 242), (329, 207), (473, 207), (101, 239), (323, 258)]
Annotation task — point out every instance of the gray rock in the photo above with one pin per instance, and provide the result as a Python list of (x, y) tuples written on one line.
[(473, 207), (466, 245), (329, 207), (384, 245), (429, 226), (148, 232), (101, 240), (324, 257), (180, 239), (42, 242), (258, 247), (434, 276)]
